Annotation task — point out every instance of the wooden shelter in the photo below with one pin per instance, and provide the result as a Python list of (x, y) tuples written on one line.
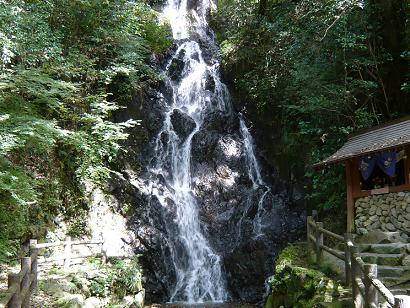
[(376, 162)]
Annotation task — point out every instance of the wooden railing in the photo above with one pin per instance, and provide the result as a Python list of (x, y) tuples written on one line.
[(68, 255), (22, 285), (362, 277)]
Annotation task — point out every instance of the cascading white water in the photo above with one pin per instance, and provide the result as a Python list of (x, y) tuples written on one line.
[(197, 267), (255, 176)]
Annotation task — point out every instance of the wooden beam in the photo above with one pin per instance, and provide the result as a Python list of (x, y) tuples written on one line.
[(350, 198)]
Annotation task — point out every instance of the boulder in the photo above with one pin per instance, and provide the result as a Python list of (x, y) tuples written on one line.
[(182, 123), (68, 300), (54, 286), (177, 66)]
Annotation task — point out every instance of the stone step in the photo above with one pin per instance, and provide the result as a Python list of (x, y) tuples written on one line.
[(379, 237), (382, 259), (393, 248), (395, 281), (405, 290), (393, 271)]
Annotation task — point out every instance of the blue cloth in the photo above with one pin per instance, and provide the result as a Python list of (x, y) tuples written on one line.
[(366, 166), (385, 161)]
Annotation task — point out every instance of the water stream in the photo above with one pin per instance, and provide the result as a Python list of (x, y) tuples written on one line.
[(198, 268), (254, 172)]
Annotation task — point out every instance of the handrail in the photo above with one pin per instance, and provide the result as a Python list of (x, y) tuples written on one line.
[(382, 289), (360, 286), (331, 234), (21, 285), (62, 243), (361, 276), (337, 254)]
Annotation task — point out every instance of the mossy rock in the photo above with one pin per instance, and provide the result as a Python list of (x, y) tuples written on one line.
[(53, 286), (67, 300), (301, 286)]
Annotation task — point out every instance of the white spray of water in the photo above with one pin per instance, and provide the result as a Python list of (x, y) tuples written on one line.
[(199, 276), (197, 266), (254, 172)]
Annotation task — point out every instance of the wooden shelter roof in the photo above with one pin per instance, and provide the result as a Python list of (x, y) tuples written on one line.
[(375, 139)]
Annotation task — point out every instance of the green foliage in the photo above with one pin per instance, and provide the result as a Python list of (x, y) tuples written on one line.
[(101, 286), (310, 72), (295, 254), (128, 277), (296, 284), (65, 68), (123, 277)]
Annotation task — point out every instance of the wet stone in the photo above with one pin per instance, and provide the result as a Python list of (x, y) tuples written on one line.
[(182, 123)]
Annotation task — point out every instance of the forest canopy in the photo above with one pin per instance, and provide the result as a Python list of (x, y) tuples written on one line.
[(311, 72), (65, 67)]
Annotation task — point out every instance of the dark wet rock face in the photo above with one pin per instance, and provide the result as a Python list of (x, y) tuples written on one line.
[(176, 67), (245, 213), (183, 124), (227, 203)]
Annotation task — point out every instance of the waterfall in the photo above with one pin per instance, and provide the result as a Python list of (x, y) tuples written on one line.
[(198, 269), (197, 92), (254, 172)]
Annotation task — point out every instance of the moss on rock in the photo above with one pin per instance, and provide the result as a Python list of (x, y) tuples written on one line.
[(297, 284)]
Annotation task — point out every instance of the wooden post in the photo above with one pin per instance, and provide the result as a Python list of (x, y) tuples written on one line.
[(67, 253), (348, 264), (314, 216), (319, 241), (401, 301), (25, 282), (371, 292), (350, 200), (356, 273), (308, 233), (34, 263), (103, 253), (14, 279)]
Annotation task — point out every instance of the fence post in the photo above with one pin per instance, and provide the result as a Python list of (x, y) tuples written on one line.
[(25, 282), (308, 233), (103, 253), (319, 241), (401, 301), (67, 253), (355, 273), (34, 263), (371, 292), (314, 215), (14, 279), (348, 263)]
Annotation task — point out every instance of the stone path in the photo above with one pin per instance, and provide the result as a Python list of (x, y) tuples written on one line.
[(392, 255)]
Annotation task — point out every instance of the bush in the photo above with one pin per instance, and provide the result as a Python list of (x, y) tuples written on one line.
[(58, 62)]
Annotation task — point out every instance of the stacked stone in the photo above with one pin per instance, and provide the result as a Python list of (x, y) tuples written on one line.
[(387, 212)]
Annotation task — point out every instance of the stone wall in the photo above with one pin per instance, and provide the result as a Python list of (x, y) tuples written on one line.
[(387, 212)]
